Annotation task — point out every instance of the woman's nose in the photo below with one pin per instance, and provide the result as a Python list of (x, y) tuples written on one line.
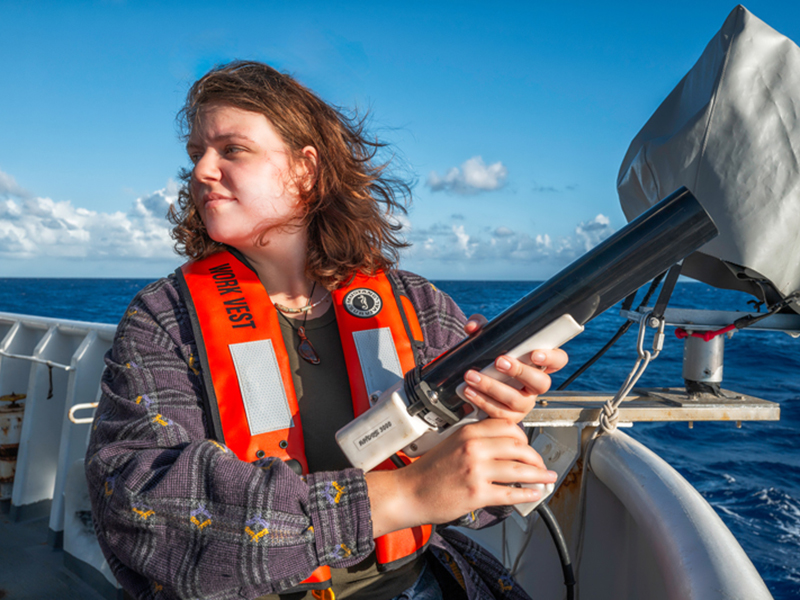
[(206, 167)]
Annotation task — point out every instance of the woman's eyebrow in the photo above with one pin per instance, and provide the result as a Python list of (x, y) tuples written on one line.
[(223, 137)]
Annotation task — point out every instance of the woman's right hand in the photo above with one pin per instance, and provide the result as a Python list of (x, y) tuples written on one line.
[(462, 474)]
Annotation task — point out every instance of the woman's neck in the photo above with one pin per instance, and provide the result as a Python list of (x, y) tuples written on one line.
[(281, 266)]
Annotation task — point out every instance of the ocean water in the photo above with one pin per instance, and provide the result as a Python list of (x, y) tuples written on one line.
[(751, 476)]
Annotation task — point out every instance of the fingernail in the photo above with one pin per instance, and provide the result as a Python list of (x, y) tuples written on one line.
[(539, 357), (473, 377), (502, 364), (553, 475), (469, 392)]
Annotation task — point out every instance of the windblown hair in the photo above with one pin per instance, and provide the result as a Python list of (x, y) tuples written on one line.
[(347, 211)]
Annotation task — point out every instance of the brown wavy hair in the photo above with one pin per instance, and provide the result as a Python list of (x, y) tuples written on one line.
[(347, 211)]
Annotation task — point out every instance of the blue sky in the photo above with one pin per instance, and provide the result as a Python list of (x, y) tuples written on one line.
[(513, 118)]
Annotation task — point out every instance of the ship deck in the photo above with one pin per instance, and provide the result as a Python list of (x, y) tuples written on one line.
[(31, 569)]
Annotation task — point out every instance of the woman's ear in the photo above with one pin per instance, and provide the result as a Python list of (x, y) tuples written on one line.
[(306, 168)]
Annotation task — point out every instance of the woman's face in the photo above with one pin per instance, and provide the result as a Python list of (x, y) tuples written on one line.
[(244, 178)]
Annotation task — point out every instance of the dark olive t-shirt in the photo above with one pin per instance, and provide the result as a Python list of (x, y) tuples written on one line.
[(324, 400)]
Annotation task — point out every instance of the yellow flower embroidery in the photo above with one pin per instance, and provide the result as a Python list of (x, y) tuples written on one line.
[(506, 587), (192, 363), (455, 570), (160, 420), (200, 512), (255, 536), (143, 513), (339, 491), (259, 523), (218, 445), (333, 485)]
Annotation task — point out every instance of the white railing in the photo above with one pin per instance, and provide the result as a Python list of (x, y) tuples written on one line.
[(57, 364)]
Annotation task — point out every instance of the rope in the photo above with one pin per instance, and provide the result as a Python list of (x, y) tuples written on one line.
[(609, 418), (609, 415)]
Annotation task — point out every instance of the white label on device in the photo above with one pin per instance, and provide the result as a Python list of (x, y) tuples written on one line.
[(387, 423), (373, 435)]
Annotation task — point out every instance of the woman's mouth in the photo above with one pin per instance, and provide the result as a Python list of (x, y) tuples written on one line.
[(214, 199)]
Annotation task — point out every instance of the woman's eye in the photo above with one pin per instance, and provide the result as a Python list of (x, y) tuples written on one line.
[(233, 149)]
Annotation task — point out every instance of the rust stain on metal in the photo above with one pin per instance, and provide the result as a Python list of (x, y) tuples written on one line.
[(564, 502), (573, 478)]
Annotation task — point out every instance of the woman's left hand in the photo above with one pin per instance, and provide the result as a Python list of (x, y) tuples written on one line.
[(503, 401)]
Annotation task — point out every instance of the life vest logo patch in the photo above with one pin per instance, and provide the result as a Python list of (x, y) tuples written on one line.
[(363, 303)]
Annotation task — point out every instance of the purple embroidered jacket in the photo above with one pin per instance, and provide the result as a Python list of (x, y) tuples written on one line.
[(179, 516)]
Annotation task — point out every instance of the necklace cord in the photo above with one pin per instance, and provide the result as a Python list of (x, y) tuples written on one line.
[(305, 349)]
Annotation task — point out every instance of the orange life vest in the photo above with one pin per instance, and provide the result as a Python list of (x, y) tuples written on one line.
[(250, 396)]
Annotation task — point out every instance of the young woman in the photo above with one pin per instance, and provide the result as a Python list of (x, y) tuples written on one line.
[(213, 468)]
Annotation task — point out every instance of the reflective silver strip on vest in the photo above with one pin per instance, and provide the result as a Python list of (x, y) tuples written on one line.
[(380, 364), (260, 382)]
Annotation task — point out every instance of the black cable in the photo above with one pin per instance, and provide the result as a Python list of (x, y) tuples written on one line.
[(628, 302), (748, 320), (561, 545)]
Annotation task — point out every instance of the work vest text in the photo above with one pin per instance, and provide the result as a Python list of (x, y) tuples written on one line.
[(236, 308)]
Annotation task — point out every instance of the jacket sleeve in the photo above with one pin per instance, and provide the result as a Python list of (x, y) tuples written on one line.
[(442, 323), (180, 516)]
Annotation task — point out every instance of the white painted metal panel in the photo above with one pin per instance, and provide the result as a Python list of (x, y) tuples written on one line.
[(696, 554), (83, 386)]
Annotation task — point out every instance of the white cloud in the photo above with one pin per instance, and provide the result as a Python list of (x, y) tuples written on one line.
[(43, 228), (9, 187), (473, 177), (454, 243), (593, 232)]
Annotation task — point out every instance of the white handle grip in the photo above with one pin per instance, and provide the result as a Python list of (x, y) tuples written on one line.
[(549, 337)]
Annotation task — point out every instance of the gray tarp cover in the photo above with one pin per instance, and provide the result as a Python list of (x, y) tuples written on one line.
[(730, 132)]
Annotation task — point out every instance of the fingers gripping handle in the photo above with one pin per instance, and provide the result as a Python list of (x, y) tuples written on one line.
[(545, 489), (552, 336), (549, 337)]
